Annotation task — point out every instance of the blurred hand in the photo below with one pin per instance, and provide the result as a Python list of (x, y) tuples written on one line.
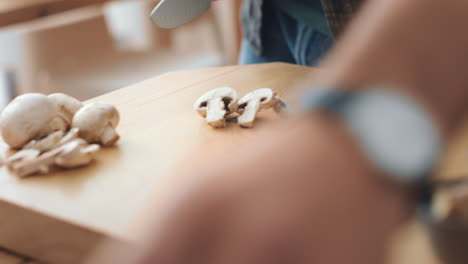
[(300, 194)]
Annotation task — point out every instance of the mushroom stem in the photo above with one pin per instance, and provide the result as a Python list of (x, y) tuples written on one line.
[(255, 101), (215, 113), (109, 136), (216, 105), (249, 114), (70, 136)]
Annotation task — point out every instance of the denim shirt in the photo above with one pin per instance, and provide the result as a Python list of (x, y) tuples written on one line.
[(338, 13)]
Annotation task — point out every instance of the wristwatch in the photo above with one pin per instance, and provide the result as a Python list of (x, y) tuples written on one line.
[(394, 130)]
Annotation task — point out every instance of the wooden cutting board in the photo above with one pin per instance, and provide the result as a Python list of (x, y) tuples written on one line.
[(61, 217)]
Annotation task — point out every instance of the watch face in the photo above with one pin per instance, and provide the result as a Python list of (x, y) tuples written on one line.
[(396, 132)]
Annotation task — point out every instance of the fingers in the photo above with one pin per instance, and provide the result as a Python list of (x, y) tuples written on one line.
[(186, 234), (257, 232), (183, 234)]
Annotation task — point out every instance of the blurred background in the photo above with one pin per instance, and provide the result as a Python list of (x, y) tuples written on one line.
[(86, 48)]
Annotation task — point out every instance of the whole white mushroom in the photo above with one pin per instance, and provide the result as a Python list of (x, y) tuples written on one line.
[(67, 105), (30, 116), (97, 122)]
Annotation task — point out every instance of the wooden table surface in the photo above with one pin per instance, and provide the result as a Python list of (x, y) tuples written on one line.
[(60, 218), (17, 11)]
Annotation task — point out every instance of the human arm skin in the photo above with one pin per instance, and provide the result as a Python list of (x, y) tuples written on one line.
[(418, 46)]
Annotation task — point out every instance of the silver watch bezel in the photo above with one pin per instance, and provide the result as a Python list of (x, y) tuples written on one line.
[(406, 147)]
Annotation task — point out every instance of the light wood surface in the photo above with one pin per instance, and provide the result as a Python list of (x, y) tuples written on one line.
[(61, 217), (17, 11), (75, 209)]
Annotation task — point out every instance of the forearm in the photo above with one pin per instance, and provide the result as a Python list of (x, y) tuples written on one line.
[(420, 46)]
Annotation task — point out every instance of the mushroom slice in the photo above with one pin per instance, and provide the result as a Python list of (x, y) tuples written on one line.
[(47, 143), (30, 116), (254, 102), (27, 154), (216, 105), (38, 165), (66, 105), (76, 153), (97, 122), (52, 141), (70, 136), (20, 158)]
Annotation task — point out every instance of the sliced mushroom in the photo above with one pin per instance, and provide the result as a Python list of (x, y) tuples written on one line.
[(52, 141), (66, 105), (97, 122), (216, 105), (26, 154), (48, 143), (28, 117), (38, 165), (70, 136), (254, 102), (21, 157), (76, 153)]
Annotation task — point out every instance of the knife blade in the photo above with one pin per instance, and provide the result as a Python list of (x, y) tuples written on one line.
[(174, 13)]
